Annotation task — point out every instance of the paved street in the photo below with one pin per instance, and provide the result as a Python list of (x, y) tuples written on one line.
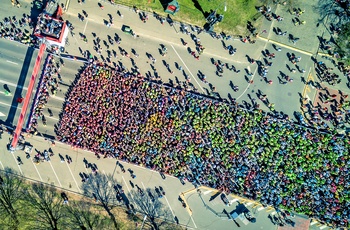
[(16, 67), (17, 63)]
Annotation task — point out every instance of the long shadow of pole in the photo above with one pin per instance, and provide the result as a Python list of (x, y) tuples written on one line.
[(207, 207), (20, 85)]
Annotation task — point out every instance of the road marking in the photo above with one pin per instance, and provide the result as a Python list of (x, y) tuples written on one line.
[(76, 183), (307, 88), (17, 163), (36, 168), (313, 223), (2, 165), (147, 195), (193, 222), (8, 105), (125, 183), (248, 83), (324, 226), (234, 200), (248, 204), (58, 98), (127, 187), (143, 185), (207, 192), (55, 174), (308, 98), (87, 20), (188, 69), (169, 206), (14, 85), (310, 76), (53, 118), (12, 62)]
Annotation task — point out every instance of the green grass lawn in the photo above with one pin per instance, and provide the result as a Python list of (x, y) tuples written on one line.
[(235, 18)]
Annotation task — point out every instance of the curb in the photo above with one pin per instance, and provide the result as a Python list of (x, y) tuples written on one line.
[(182, 196), (286, 46), (256, 205)]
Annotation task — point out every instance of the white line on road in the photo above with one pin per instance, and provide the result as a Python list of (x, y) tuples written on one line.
[(58, 98), (193, 222), (36, 168), (207, 192), (85, 25), (8, 105), (143, 185), (127, 187), (2, 165), (53, 118), (12, 84), (188, 69), (12, 62), (248, 83), (169, 206), (17, 163), (73, 177), (55, 174)]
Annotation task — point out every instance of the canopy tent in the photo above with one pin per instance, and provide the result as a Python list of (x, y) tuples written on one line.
[(172, 7)]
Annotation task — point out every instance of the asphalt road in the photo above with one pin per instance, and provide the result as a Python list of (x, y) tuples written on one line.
[(16, 64), (152, 35)]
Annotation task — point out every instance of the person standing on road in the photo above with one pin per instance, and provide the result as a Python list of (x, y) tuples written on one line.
[(19, 160)]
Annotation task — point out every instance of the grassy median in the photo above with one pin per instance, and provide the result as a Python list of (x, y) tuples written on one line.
[(237, 13)]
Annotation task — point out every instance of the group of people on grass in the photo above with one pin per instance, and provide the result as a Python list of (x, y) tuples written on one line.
[(263, 156)]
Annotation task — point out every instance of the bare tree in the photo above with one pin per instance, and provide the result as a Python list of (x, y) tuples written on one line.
[(10, 197), (148, 203), (101, 187), (83, 217), (50, 211)]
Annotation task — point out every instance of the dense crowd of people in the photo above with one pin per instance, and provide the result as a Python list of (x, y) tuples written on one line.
[(330, 109), (48, 84), (266, 157), (263, 156), (15, 29)]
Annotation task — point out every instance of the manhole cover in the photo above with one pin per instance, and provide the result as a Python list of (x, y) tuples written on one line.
[(289, 94)]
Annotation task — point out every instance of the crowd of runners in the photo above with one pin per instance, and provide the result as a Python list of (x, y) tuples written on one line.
[(262, 156)]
